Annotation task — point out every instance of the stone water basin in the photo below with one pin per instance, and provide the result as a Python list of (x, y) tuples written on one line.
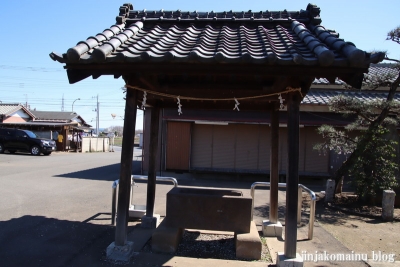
[(209, 209)]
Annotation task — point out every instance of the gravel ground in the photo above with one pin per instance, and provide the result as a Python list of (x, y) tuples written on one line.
[(363, 234), (360, 227), (215, 246)]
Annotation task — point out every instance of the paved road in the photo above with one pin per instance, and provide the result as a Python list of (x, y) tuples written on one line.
[(53, 207)]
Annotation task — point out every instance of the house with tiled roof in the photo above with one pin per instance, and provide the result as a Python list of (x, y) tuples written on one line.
[(60, 117), (15, 113), (47, 124)]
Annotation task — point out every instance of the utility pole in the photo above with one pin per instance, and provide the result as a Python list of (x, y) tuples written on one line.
[(97, 115), (97, 118)]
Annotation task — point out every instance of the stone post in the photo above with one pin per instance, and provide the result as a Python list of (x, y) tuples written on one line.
[(388, 205), (330, 190)]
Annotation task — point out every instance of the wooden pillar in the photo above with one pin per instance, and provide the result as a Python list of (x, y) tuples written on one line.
[(292, 175), (153, 148), (65, 138), (126, 168), (274, 166)]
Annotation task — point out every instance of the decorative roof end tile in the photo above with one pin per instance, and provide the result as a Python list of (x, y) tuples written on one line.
[(313, 14), (123, 13), (375, 57), (57, 57)]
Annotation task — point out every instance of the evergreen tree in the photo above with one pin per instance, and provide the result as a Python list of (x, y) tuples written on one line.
[(371, 160)]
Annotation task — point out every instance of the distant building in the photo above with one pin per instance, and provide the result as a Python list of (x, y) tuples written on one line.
[(47, 124)]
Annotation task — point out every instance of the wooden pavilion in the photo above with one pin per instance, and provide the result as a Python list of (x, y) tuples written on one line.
[(218, 61)]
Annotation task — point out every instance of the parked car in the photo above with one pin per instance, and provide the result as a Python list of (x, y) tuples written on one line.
[(23, 140)]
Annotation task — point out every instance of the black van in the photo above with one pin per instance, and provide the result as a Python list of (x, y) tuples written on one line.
[(23, 140)]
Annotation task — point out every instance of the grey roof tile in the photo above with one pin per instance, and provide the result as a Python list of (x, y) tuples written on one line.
[(6, 109), (323, 96), (267, 37), (54, 115), (389, 71)]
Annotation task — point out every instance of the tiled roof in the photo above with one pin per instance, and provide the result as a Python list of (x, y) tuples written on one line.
[(62, 116), (382, 70), (265, 37), (322, 97), (58, 117), (10, 108)]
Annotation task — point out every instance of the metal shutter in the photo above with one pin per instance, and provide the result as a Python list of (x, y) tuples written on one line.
[(264, 148), (247, 146), (314, 161), (224, 138), (202, 139)]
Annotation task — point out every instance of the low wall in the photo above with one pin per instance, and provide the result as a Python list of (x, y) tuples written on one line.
[(95, 144)]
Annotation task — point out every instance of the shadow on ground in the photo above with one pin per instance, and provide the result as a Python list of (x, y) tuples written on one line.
[(334, 215), (103, 173), (41, 241)]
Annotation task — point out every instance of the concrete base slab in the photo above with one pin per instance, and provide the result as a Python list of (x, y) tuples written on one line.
[(248, 245), (282, 261), (120, 253), (274, 246), (271, 229), (151, 222), (166, 239)]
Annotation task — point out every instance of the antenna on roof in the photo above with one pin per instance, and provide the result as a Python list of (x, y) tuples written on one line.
[(26, 100)]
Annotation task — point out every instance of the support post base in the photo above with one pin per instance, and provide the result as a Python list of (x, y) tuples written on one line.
[(271, 229), (150, 222), (120, 253), (282, 261)]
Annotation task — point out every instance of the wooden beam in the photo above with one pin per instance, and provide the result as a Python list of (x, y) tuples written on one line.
[(292, 177), (248, 105), (153, 148), (149, 83), (126, 168), (250, 70), (274, 165)]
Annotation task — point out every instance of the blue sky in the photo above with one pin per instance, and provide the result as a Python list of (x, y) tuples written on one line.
[(32, 29)]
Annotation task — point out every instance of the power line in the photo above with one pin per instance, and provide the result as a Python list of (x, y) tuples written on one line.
[(28, 68)]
